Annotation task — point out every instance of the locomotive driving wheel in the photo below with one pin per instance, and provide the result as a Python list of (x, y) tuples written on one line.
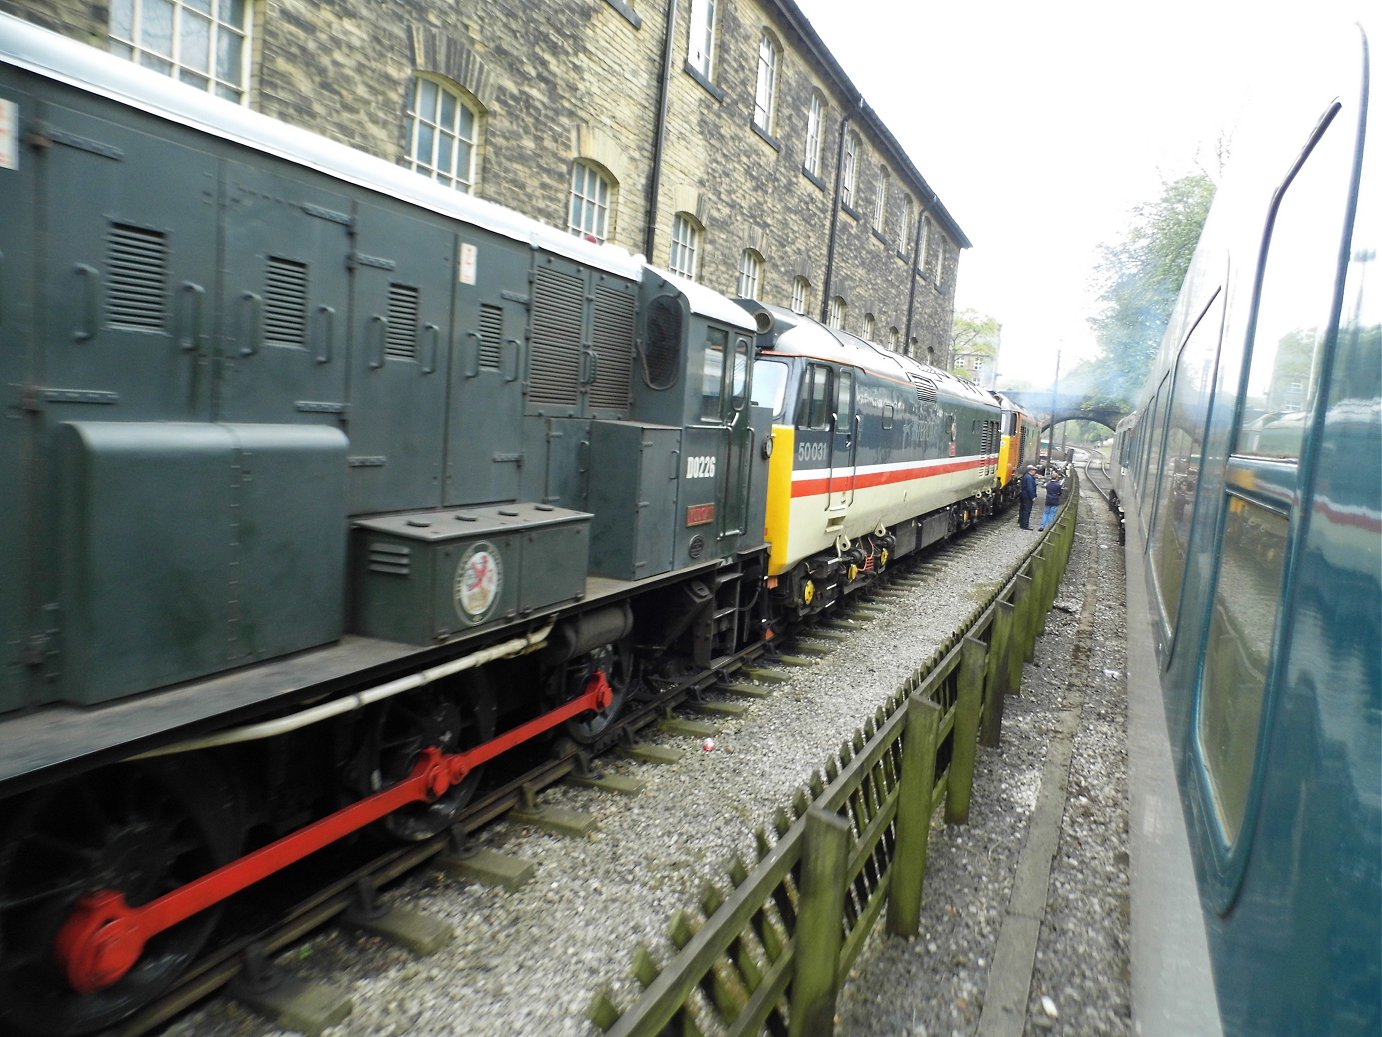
[(616, 664), (451, 721), (141, 830)]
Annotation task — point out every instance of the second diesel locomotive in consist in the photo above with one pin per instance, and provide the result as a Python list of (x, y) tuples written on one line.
[(326, 485), (875, 455)]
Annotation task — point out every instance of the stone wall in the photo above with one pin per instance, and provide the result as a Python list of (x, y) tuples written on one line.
[(557, 82)]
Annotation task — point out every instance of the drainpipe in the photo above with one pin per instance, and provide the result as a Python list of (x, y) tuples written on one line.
[(917, 260), (835, 217), (660, 131)]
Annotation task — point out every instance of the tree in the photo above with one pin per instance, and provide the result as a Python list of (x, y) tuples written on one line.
[(973, 336), (1141, 276)]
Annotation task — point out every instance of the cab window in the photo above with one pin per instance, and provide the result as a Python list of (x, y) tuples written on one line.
[(813, 402), (770, 385), (713, 375)]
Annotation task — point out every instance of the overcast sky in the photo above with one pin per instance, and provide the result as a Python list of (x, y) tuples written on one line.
[(1041, 126)]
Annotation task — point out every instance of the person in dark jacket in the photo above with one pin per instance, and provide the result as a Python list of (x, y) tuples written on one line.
[(1053, 491), (1026, 497)]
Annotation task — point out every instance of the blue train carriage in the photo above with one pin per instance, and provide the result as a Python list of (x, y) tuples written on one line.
[(321, 479), (874, 456), (1251, 473)]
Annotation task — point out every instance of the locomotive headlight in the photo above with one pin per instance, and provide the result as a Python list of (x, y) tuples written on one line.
[(767, 446)]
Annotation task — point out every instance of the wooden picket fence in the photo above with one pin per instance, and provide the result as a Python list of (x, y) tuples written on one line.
[(768, 950)]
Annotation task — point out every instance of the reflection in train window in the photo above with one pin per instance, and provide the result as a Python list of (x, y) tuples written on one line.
[(770, 385), (1180, 475), (1297, 299), (1238, 659)]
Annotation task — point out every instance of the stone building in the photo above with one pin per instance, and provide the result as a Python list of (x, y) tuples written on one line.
[(719, 138)]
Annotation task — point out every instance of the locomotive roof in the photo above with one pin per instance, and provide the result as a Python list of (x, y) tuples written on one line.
[(800, 335), (56, 57)]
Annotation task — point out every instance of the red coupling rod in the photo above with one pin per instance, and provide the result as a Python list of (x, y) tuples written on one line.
[(104, 936)]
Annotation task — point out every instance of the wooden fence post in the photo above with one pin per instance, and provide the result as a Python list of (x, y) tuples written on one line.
[(965, 742), (913, 816), (996, 677), (1024, 630), (820, 932)]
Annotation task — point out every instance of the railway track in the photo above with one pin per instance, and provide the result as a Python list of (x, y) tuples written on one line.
[(343, 884)]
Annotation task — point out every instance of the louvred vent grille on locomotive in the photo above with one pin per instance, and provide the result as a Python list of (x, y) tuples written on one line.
[(491, 336), (612, 338), (401, 341), (137, 259), (555, 342), (285, 302), (926, 389)]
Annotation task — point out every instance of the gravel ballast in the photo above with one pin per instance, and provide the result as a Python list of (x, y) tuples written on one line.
[(529, 961)]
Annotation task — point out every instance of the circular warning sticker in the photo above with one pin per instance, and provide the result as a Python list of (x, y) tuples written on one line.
[(479, 577)]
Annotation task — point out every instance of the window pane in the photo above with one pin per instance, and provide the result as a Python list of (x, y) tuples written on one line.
[(712, 376), (156, 31), (1297, 299), (1239, 654), (425, 143), (196, 42), (770, 385), (203, 6), (427, 99), (448, 110), (122, 20), (230, 48)]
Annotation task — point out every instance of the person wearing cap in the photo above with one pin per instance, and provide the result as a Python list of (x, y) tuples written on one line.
[(1027, 497)]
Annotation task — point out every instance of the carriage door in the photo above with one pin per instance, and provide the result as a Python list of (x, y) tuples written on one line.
[(401, 310), (844, 443)]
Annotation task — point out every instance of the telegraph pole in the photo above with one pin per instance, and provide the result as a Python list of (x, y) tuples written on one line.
[(1051, 438)]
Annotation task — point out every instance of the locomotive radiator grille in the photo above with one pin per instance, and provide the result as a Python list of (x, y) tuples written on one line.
[(612, 325), (558, 301)]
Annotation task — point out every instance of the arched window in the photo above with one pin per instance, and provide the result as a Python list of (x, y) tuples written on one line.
[(904, 227), (443, 130), (815, 134), (893, 339), (591, 195), (849, 174), (686, 245), (801, 295), (765, 94), (835, 316), (869, 325), (198, 42), (880, 201), (750, 274)]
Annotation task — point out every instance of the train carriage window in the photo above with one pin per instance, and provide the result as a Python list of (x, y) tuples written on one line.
[(770, 385), (1239, 653), (813, 402), (1296, 310), (1189, 414)]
